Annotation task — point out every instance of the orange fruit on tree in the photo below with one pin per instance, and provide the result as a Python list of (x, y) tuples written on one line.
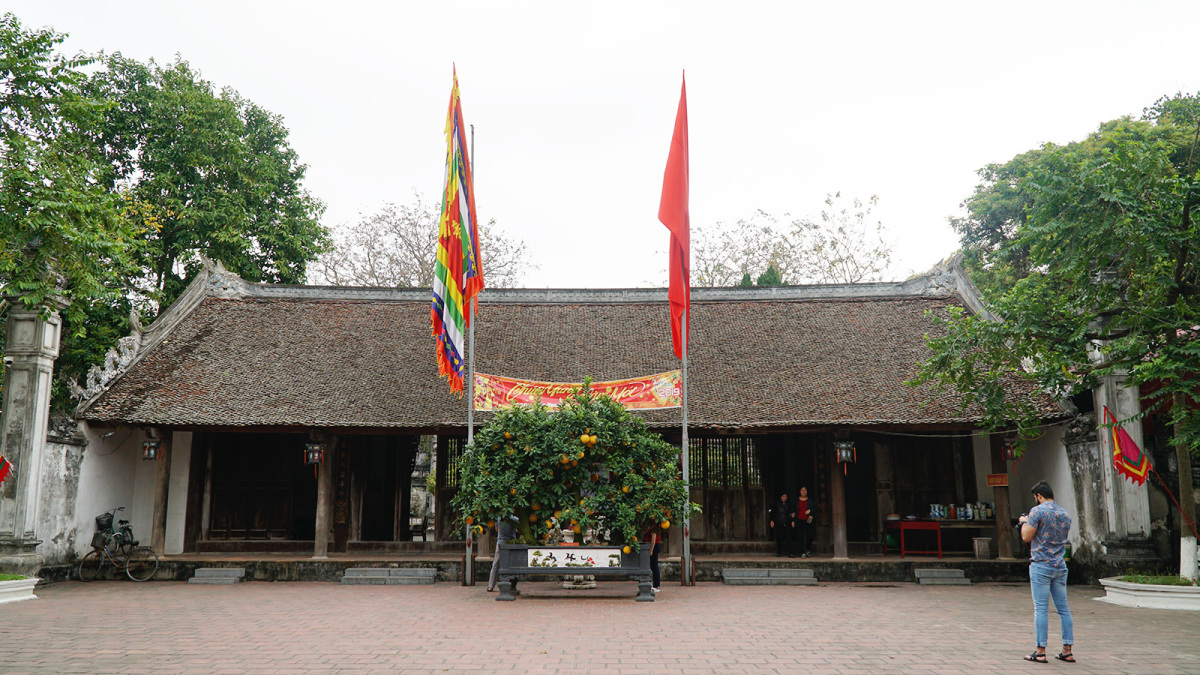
[(470, 520), (574, 462), (507, 435), (565, 459), (584, 439), (576, 529), (595, 478), (478, 529), (558, 514), (511, 492), (625, 489), (626, 550), (537, 507), (491, 523), (533, 517), (665, 524)]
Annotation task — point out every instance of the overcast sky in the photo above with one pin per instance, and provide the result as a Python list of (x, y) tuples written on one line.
[(573, 103)]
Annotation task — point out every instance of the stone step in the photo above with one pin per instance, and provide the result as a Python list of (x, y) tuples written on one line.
[(944, 582), (939, 573), (214, 581), (220, 572), (390, 576), (741, 576)]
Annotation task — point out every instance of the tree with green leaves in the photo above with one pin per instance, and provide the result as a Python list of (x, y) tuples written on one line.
[(190, 171), (61, 230), (206, 173), (1087, 257), (590, 465)]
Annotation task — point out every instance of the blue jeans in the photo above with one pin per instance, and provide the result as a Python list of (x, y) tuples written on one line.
[(1050, 582)]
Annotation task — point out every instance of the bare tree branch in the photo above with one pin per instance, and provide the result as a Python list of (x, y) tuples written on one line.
[(395, 247)]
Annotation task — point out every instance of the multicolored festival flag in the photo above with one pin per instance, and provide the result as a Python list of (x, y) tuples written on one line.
[(1128, 459), (5, 469), (673, 212), (458, 272)]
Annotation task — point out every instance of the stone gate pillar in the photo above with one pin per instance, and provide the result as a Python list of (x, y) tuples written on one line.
[(1126, 504), (29, 353)]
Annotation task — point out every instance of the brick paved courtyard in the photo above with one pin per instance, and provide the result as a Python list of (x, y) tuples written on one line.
[(121, 627)]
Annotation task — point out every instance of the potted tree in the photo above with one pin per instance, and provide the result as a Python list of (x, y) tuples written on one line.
[(590, 468)]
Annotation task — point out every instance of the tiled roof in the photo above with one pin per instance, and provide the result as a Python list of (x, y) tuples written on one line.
[(312, 362)]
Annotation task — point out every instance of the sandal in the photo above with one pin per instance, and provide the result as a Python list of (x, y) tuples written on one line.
[(1068, 658), (1037, 658)]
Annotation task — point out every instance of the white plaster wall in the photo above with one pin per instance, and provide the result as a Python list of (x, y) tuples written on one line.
[(181, 463), (1045, 459), (56, 513), (106, 480)]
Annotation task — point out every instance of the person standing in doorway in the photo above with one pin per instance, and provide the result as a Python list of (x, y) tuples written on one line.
[(783, 522), (1045, 529), (804, 521)]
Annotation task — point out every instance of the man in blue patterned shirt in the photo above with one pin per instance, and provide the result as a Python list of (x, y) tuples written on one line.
[(1045, 529)]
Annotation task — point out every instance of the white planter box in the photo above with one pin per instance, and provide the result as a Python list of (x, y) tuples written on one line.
[(18, 589), (1150, 595)]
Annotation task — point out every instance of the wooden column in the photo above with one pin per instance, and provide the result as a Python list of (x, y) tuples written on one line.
[(162, 485), (837, 498), (324, 504), (885, 496), (1004, 528)]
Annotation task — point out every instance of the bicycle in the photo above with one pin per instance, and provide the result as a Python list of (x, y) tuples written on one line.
[(118, 548)]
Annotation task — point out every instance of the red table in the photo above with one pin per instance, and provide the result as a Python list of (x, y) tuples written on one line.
[(904, 525)]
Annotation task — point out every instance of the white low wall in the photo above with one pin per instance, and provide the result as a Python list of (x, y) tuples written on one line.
[(59, 490)]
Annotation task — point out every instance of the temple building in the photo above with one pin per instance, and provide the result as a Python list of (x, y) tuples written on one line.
[(236, 382)]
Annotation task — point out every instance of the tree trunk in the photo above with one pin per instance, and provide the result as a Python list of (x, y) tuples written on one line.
[(1187, 499)]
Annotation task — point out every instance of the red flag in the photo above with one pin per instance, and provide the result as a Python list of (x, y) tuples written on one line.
[(1128, 458), (673, 212)]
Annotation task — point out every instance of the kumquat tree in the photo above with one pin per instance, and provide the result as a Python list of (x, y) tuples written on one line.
[(588, 466)]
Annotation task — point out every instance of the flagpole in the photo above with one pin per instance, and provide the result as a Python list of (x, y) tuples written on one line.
[(469, 567), (685, 572)]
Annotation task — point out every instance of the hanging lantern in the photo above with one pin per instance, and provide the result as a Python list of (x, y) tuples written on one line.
[(1010, 450), (846, 453), (150, 449), (314, 453)]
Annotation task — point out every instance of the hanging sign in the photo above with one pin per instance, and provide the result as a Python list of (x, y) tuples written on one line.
[(652, 392), (997, 480)]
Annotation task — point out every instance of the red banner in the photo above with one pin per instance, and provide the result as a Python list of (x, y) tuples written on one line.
[(651, 392)]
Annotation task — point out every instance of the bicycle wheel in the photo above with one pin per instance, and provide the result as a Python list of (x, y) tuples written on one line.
[(89, 567), (141, 564)]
